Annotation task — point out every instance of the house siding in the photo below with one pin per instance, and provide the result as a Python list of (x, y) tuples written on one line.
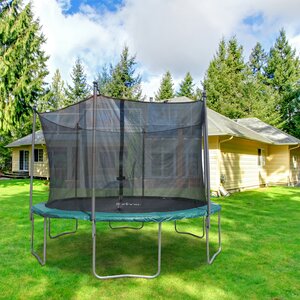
[(278, 164), (236, 159), (40, 169), (214, 156), (239, 164)]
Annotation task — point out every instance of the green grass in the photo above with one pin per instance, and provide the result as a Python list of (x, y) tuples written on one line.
[(260, 257)]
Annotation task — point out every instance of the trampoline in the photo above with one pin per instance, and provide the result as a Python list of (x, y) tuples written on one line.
[(114, 160)]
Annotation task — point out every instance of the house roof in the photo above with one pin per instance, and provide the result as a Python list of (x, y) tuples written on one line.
[(221, 125), (277, 136), (218, 125), (26, 140)]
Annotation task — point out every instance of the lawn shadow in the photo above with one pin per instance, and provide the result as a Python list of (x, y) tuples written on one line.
[(123, 251)]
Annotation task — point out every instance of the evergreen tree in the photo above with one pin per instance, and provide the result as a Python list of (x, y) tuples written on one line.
[(257, 60), (79, 89), (283, 68), (283, 75), (121, 82), (166, 90), (55, 98), (103, 79), (198, 94), (261, 99), (225, 78), (186, 87), (22, 64)]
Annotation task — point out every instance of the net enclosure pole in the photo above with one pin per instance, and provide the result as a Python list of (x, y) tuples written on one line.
[(206, 158), (207, 182), (121, 177), (94, 150), (143, 164), (31, 162)]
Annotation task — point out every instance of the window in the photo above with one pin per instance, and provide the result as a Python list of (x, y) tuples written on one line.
[(261, 157), (38, 155), (163, 156)]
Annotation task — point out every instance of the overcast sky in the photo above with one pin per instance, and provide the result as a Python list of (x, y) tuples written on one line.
[(174, 35)]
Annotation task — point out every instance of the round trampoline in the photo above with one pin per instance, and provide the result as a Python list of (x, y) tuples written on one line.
[(113, 160)]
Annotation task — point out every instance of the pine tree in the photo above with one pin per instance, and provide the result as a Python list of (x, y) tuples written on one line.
[(166, 90), (257, 60), (79, 89), (283, 67), (261, 99), (186, 87), (283, 75), (103, 79), (55, 98), (225, 78), (198, 94), (22, 64), (121, 82)]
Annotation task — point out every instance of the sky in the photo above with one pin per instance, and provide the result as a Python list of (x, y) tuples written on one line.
[(179, 36)]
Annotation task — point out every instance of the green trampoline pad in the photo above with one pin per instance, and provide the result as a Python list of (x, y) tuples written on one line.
[(42, 210)]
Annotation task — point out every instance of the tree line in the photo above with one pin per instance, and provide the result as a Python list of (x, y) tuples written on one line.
[(266, 86)]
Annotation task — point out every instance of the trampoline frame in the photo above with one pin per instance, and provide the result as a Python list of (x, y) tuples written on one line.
[(47, 225)]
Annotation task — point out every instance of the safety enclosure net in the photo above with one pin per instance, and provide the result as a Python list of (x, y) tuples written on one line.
[(137, 156)]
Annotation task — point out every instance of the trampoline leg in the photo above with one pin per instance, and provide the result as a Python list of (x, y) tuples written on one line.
[(210, 260), (126, 227), (63, 233), (42, 261), (127, 275), (189, 233)]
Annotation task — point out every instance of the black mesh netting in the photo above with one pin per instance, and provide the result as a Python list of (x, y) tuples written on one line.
[(148, 156)]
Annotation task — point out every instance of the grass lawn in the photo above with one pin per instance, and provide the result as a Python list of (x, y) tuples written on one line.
[(260, 257)]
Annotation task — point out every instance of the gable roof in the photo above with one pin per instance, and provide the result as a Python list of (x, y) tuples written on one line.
[(277, 136), (26, 140), (221, 125)]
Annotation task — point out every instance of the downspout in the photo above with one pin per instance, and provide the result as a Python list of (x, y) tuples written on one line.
[(290, 179), (222, 190)]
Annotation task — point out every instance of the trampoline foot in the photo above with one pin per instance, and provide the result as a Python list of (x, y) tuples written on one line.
[(63, 233), (127, 275), (42, 261), (189, 233), (211, 259), (126, 227)]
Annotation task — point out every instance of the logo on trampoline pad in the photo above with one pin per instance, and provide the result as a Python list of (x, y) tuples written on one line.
[(118, 204)]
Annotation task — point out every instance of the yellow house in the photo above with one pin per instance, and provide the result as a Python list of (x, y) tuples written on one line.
[(244, 153), (21, 155)]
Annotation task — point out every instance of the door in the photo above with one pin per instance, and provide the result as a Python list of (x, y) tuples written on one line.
[(24, 160)]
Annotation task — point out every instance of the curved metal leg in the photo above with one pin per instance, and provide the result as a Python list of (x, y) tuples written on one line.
[(126, 275), (63, 233), (125, 227), (42, 261), (210, 260), (189, 233)]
